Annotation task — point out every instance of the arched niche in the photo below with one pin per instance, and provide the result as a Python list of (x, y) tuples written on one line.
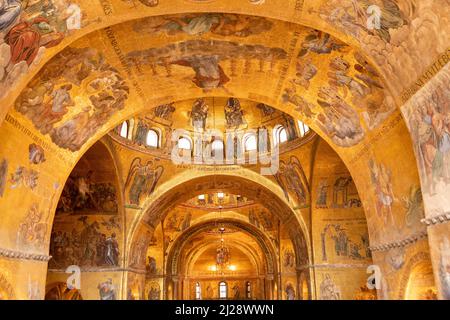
[(177, 266)]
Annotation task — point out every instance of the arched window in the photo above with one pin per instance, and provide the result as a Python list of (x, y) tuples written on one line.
[(184, 143), (198, 291), (223, 290), (202, 199), (152, 138), (248, 290), (279, 135), (124, 130), (303, 128), (250, 142), (217, 147)]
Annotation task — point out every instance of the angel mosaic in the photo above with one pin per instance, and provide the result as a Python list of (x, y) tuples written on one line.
[(292, 180), (142, 180)]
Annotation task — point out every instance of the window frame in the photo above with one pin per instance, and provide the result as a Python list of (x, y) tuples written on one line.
[(223, 284), (198, 291), (303, 128), (127, 128), (185, 138), (277, 131), (247, 138), (157, 134)]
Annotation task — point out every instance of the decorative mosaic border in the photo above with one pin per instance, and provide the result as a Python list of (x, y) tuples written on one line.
[(401, 243), (443, 218), (11, 254)]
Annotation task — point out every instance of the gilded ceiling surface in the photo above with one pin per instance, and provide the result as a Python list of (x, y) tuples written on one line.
[(370, 78)]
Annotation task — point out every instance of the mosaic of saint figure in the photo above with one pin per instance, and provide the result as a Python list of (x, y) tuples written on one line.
[(155, 291), (142, 180), (289, 258), (266, 110), (290, 292), (151, 266), (107, 290), (199, 114), (328, 290), (234, 115), (322, 194), (236, 291), (429, 123), (292, 179), (382, 179), (164, 111), (36, 154)]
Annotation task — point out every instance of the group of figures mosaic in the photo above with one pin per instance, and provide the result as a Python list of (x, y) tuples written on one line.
[(91, 243)]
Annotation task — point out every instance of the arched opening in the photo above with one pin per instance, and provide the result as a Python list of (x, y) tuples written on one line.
[(185, 143), (223, 290), (421, 285), (198, 291), (124, 129), (152, 138), (279, 135), (303, 128), (348, 93), (250, 142)]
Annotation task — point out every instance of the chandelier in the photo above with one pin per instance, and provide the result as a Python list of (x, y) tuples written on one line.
[(222, 253)]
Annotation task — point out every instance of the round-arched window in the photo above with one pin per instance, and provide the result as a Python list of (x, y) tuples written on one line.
[(198, 291), (250, 142), (223, 290), (152, 138), (184, 143), (279, 135), (123, 132), (303, 128)]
